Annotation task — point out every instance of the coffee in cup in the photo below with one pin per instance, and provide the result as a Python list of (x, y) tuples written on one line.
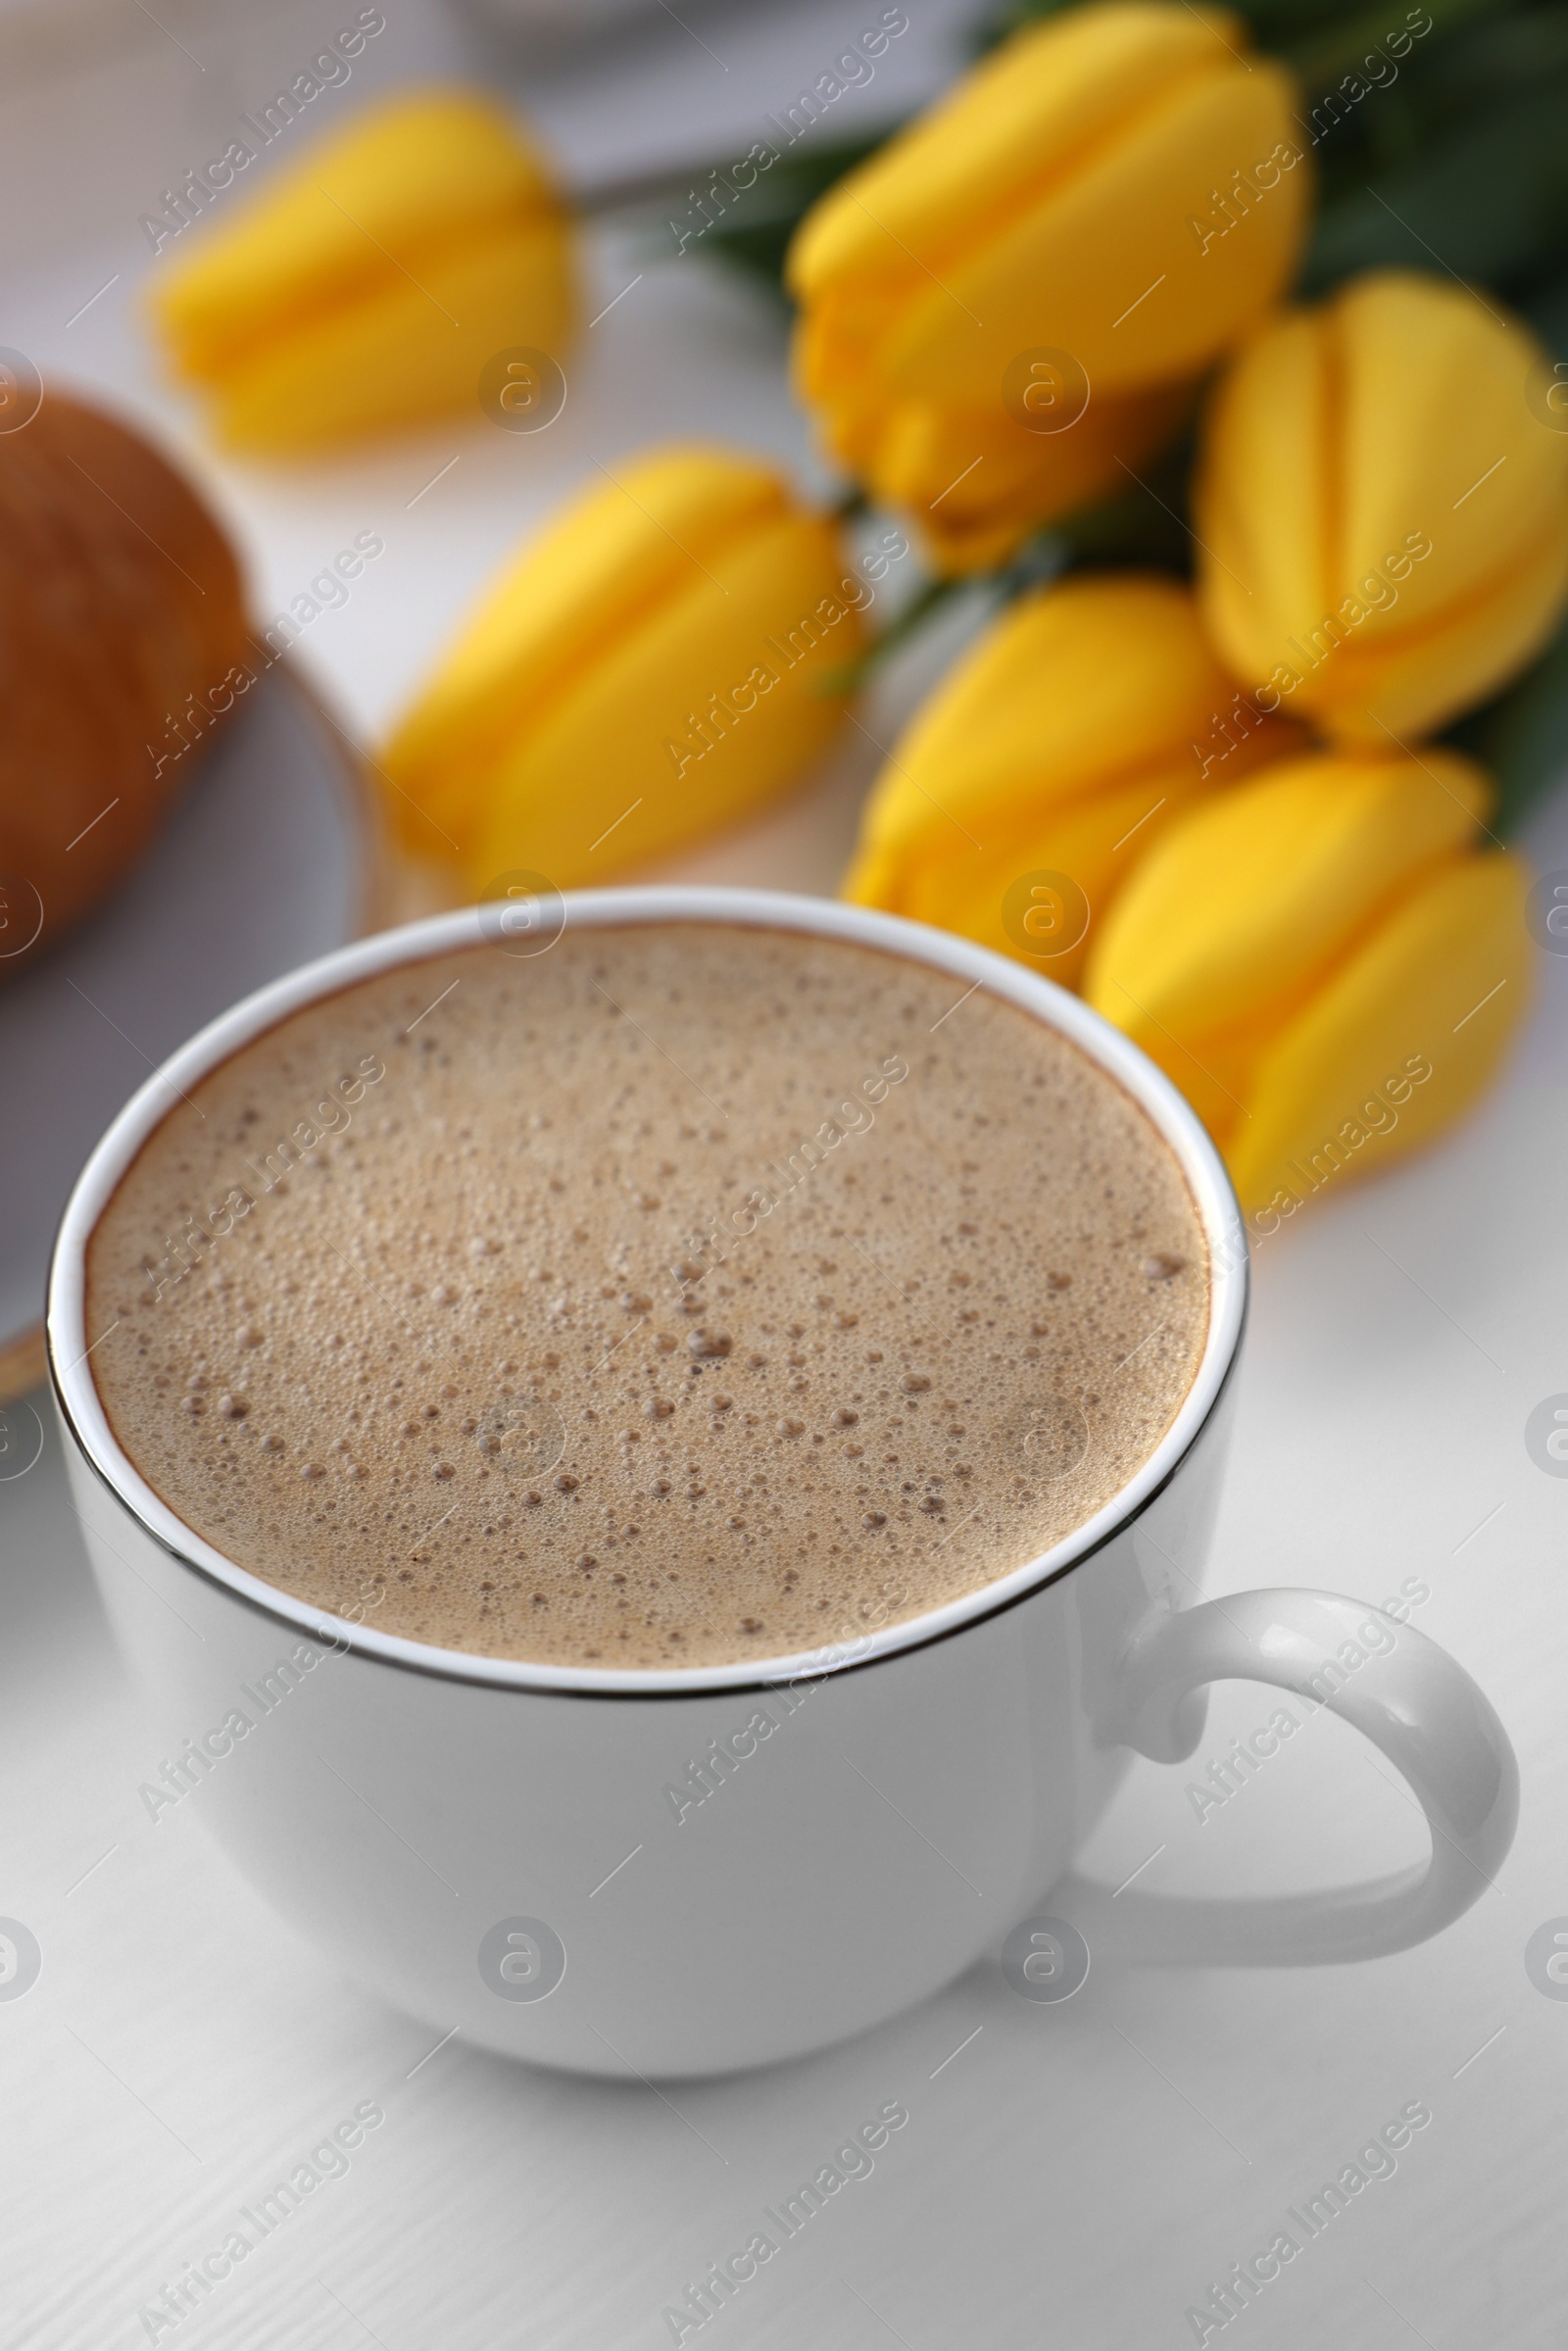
[(686, 1293)]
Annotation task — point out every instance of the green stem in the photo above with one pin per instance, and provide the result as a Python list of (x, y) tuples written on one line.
[(1321, 62), (855, 674), (1522, 737)]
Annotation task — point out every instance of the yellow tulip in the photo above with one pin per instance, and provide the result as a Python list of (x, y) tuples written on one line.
[(657, 662), (1325, 962), (365, 286), (1383, 521), (1082, 722), (1008, 297)]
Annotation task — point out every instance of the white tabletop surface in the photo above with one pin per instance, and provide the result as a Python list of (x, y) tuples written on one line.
[(1070, 2176)]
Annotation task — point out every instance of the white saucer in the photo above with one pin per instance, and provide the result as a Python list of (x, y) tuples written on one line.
[(269, 859)]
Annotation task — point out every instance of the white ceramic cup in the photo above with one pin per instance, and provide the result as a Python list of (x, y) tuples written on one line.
[(687, 1872)]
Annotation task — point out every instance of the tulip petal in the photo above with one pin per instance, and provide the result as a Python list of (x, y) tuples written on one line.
[(1260, 496), (608, 559), (635, 746), (1017, 121), (1074, 688), (1394, 688), (1383, 521), (1091, 840), (406, 176), (1129, 263), (394, 352), (974, 481), (1082, 723), (1240, 910), (1399, 1044), (1438, 439)]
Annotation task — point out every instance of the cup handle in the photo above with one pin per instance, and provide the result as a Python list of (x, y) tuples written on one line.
[(1412, 1701)]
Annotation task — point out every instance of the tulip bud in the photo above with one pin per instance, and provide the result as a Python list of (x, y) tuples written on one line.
[(1082, 722), (367, 285), (657, 662), (1097, 212), (1325, 962), (1382, 520)]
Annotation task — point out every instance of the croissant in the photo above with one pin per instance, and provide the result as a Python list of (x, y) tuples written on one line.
[(123, 643)]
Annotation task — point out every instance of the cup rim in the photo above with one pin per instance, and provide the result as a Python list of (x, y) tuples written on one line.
[(82, 1411)]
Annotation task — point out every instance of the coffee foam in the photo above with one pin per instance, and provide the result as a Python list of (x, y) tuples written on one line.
[(679, 1296)]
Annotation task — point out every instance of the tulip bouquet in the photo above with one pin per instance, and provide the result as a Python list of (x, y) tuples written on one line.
[(1255, 556), (1211, 350)]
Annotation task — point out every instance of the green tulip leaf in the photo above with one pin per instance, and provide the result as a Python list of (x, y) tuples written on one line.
[(1337, 49), (1522, 737), (1488, 202), (927, 602), (1546, 311)]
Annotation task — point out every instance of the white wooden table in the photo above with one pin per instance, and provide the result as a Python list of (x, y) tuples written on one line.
[(1075, 2176)]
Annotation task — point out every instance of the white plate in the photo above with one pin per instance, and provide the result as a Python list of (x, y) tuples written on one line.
[(268, 860)]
